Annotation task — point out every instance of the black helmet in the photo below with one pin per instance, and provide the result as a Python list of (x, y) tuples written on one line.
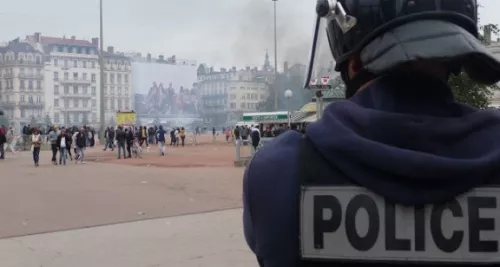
[(388, 33)]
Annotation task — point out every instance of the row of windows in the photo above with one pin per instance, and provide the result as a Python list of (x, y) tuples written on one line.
[(206, 91), (75, 89), (75, 76), (76, 50), (248, 96), (21, 57), (30, 99), (24, 84), (244, 105), (84, 103), (118, 78), (84, 90), (76, 63), (110, 64), (23, 98)]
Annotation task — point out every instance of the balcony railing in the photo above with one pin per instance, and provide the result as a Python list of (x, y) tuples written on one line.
[(76, 81), (32, 104), (7, 104), (30, 76), (72, 95)]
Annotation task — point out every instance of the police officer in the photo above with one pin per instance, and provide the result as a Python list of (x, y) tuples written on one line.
[(335, 196)]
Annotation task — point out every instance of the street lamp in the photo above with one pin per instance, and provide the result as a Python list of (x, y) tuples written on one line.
[(275, 60), (288, 96), (101, 69)]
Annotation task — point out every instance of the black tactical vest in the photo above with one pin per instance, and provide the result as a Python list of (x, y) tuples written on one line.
[(343, 224)]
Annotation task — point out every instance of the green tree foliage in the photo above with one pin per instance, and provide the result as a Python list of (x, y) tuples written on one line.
[(469, 92)]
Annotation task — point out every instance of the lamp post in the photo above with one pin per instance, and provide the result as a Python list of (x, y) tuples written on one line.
[(101, 78), (288, 96), (275, 60)]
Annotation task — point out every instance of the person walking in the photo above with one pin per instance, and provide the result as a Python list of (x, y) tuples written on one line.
[(121, 139), (63, 145), (52, 138), (160, 136), (36, 142), (183, 136), (3, 141), (80, 142)]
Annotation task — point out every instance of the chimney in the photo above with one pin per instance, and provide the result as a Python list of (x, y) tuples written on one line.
[(111, 49), (173, 59), (233, 69), (73, 37), (247, 68), (95, 41), (161, 57), (149, 57), (38, 37), (285, 66)]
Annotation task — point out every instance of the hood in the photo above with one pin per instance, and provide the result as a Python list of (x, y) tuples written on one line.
[(405, 138)]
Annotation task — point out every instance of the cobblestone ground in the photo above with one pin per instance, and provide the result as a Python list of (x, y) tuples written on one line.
[(107, 191)]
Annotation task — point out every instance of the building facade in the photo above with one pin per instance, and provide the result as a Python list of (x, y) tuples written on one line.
[(71, 79), (21, 84), (227, 94), (118, 84)]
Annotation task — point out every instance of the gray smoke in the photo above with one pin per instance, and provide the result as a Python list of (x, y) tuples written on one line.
[(256, 34)]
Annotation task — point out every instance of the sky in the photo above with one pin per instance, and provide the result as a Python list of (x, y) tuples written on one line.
[(220, 33)]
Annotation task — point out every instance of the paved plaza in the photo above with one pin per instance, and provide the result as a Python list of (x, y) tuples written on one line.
[(182, 209)]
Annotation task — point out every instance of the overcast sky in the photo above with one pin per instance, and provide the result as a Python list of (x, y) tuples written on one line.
[(218, 32)]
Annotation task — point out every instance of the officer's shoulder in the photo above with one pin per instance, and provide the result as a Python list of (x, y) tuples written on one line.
[(281, 152)]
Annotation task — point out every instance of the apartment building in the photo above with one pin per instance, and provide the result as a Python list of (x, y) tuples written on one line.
[(21, 83), (227, 94), (118, 83), (71, 79)]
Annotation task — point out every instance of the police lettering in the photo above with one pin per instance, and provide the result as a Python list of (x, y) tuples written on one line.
[(477, 224)]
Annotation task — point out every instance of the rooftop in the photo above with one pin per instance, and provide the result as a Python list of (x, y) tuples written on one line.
[(18, 47), (47, 40)]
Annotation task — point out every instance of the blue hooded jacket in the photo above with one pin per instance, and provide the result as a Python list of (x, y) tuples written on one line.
[(403, 137)]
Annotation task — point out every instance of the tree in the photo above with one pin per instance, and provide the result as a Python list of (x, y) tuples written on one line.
[(469, 92)]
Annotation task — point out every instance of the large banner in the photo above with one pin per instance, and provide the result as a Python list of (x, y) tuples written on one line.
[(164, 89)]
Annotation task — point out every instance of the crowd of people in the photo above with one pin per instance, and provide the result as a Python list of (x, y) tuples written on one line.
[(129, 140)]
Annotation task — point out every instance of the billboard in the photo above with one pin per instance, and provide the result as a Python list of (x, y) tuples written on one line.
[(162, 89)]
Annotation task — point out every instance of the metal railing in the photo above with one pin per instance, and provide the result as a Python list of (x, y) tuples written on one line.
[(245, 150)]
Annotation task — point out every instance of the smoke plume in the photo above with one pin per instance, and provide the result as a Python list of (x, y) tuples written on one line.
[(294, 37)]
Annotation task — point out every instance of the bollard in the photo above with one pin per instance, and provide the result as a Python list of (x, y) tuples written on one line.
[(238, 147)]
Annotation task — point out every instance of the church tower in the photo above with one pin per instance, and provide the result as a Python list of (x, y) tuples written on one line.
[(267, 64)]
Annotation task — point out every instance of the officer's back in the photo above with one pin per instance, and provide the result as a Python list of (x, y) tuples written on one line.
[(399, 173)]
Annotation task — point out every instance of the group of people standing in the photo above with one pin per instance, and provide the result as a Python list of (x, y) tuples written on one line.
[(131, 139), (63, 141)]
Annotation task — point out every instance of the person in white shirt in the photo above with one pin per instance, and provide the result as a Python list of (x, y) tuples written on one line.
[(176, 134), (62, 142)]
